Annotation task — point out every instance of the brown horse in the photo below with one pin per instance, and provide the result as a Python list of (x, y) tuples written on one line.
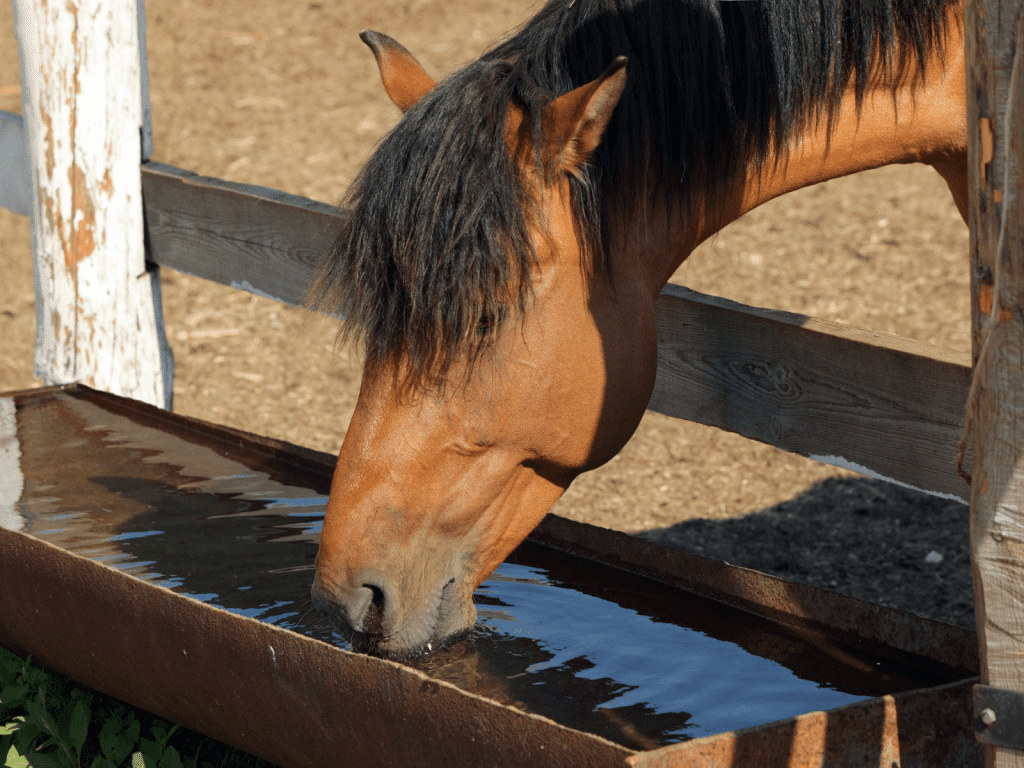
[(504, 247)]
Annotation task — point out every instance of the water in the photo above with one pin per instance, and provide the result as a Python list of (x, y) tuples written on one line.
[(620, 656)]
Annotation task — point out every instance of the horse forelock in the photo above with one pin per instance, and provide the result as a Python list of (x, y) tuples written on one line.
[(434, 256)]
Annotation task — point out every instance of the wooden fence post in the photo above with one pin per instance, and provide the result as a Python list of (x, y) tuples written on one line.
[(995, 411), (98, 317)]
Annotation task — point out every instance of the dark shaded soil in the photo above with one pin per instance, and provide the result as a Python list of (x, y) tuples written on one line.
[(860, 537)]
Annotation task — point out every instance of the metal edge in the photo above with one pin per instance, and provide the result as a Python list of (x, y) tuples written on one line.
[(928, 728), (318, 464), (899, 635), (289, 699)]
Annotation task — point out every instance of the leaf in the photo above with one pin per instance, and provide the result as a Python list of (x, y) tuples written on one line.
[(25, 737), (10, 667), (12, 726), (115, 743), (79, 725), (44, 760), (15, 759), (13, 695), (133, 730), (150, 751), (170, 759), (38, 716), (139, 761)]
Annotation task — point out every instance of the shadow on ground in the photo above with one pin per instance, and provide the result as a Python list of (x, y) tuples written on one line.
[(865, 538)]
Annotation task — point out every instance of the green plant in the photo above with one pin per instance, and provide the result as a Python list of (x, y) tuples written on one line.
[(47, 721)]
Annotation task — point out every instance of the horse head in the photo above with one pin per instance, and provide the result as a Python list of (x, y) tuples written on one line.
[(441, 476), (503, 248)]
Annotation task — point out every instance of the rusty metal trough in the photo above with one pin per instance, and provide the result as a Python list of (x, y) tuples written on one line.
[(296, 701)]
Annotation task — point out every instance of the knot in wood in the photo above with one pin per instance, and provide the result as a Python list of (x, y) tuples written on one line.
[(782, 380)]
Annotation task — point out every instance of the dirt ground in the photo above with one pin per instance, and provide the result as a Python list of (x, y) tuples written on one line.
[(286, 96)]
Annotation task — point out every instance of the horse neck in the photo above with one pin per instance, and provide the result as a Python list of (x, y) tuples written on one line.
[(922, 122)]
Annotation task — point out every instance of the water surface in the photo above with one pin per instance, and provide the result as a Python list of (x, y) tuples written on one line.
[(613, 654)]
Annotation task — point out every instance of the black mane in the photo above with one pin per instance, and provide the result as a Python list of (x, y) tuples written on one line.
[(434, 255)]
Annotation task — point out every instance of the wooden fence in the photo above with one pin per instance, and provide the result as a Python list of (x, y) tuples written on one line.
[(878, 403), (873, 402)]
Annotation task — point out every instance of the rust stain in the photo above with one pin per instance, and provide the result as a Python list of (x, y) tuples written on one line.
[(82, 243), (997, 195), (56, 328)]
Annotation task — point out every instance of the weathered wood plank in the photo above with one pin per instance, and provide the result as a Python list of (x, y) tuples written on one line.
[(995, 50), (870, 401), (248, 237), (96, 303)]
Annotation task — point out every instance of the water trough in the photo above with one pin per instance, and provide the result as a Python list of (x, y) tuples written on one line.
[(167, 562)]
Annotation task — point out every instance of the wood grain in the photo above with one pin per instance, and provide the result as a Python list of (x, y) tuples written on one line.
[(254, 238), (886, 404), (995, 51)]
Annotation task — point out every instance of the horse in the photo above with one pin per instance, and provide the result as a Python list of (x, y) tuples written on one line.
[(502, 250)]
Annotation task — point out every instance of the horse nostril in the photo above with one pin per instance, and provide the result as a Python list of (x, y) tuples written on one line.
[(377, 593), (371, 603), (373, 615)]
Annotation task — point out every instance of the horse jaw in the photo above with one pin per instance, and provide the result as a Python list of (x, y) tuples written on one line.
[(407, 540)]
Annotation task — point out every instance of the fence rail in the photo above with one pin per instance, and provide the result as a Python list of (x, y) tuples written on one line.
[(249, 237), (869, 401)]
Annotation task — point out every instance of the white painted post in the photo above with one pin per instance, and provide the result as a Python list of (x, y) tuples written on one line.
[(97, 306)]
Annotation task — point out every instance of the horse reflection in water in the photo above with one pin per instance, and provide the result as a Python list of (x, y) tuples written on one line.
[(505, 245)]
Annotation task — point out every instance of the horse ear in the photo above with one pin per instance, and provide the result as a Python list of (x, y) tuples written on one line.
[(404, 78), (576, 121)]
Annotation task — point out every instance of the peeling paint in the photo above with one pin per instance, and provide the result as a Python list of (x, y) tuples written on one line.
[(82, 208), (107, 185), (47, 139)]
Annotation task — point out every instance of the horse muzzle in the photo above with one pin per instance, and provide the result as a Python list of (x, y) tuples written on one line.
[(376, 618)]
